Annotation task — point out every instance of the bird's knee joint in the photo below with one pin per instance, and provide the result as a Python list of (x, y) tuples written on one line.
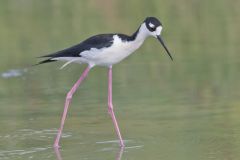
[(110, 106)]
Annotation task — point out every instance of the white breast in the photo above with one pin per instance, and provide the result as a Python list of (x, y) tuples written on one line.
[(111, 55)]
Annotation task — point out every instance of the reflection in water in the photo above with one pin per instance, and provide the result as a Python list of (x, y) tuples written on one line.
[(118, 155)]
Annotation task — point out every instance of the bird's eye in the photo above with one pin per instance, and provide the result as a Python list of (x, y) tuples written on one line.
[(152, 27)]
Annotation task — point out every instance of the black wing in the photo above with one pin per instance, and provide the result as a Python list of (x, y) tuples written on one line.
[(98, 41)]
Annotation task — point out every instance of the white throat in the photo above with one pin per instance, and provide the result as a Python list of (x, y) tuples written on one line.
[(142, 34)]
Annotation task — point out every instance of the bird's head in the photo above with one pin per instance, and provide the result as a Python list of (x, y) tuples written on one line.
[(153, 27)]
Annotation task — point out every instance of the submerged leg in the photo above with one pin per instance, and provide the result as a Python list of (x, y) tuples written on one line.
[(120, 153), (110, 107), (67, 102), (57, 153)]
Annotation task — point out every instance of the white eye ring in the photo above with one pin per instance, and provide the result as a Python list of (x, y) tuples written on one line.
[(151, 25)]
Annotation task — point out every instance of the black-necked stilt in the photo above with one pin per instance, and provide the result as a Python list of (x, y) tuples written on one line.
[(104, 50)]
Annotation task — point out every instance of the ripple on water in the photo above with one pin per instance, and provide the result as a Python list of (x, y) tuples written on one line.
[(10, 154), (32, 134), (28, 134)]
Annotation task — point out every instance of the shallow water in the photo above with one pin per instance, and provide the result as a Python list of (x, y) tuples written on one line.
[(185, 109)]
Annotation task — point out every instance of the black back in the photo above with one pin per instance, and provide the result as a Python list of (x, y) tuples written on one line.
[(98, 41)]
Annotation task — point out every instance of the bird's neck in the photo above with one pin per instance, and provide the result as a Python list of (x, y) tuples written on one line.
[(140, 35)]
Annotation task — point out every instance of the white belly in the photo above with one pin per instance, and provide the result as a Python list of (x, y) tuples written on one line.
[(112, 55)]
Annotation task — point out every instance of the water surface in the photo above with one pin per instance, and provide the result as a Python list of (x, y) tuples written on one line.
[(185, 109)]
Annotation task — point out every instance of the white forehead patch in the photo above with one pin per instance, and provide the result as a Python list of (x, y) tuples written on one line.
[(159, 30), (151, 25)]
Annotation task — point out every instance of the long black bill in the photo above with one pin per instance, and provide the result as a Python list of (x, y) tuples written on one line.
[(161, 41)]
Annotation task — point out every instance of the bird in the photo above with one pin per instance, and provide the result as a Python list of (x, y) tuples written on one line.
[(104, 50)]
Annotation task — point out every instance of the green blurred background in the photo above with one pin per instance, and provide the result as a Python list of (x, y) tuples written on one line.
[(185, 109)]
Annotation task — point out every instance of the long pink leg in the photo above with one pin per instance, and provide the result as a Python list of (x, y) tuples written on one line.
[(110, 107), (67, 102)]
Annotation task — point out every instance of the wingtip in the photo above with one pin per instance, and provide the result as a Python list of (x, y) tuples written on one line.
[(44, 61)]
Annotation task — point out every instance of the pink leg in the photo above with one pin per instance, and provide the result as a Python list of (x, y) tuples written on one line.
[(110, 107), (67, 102)]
